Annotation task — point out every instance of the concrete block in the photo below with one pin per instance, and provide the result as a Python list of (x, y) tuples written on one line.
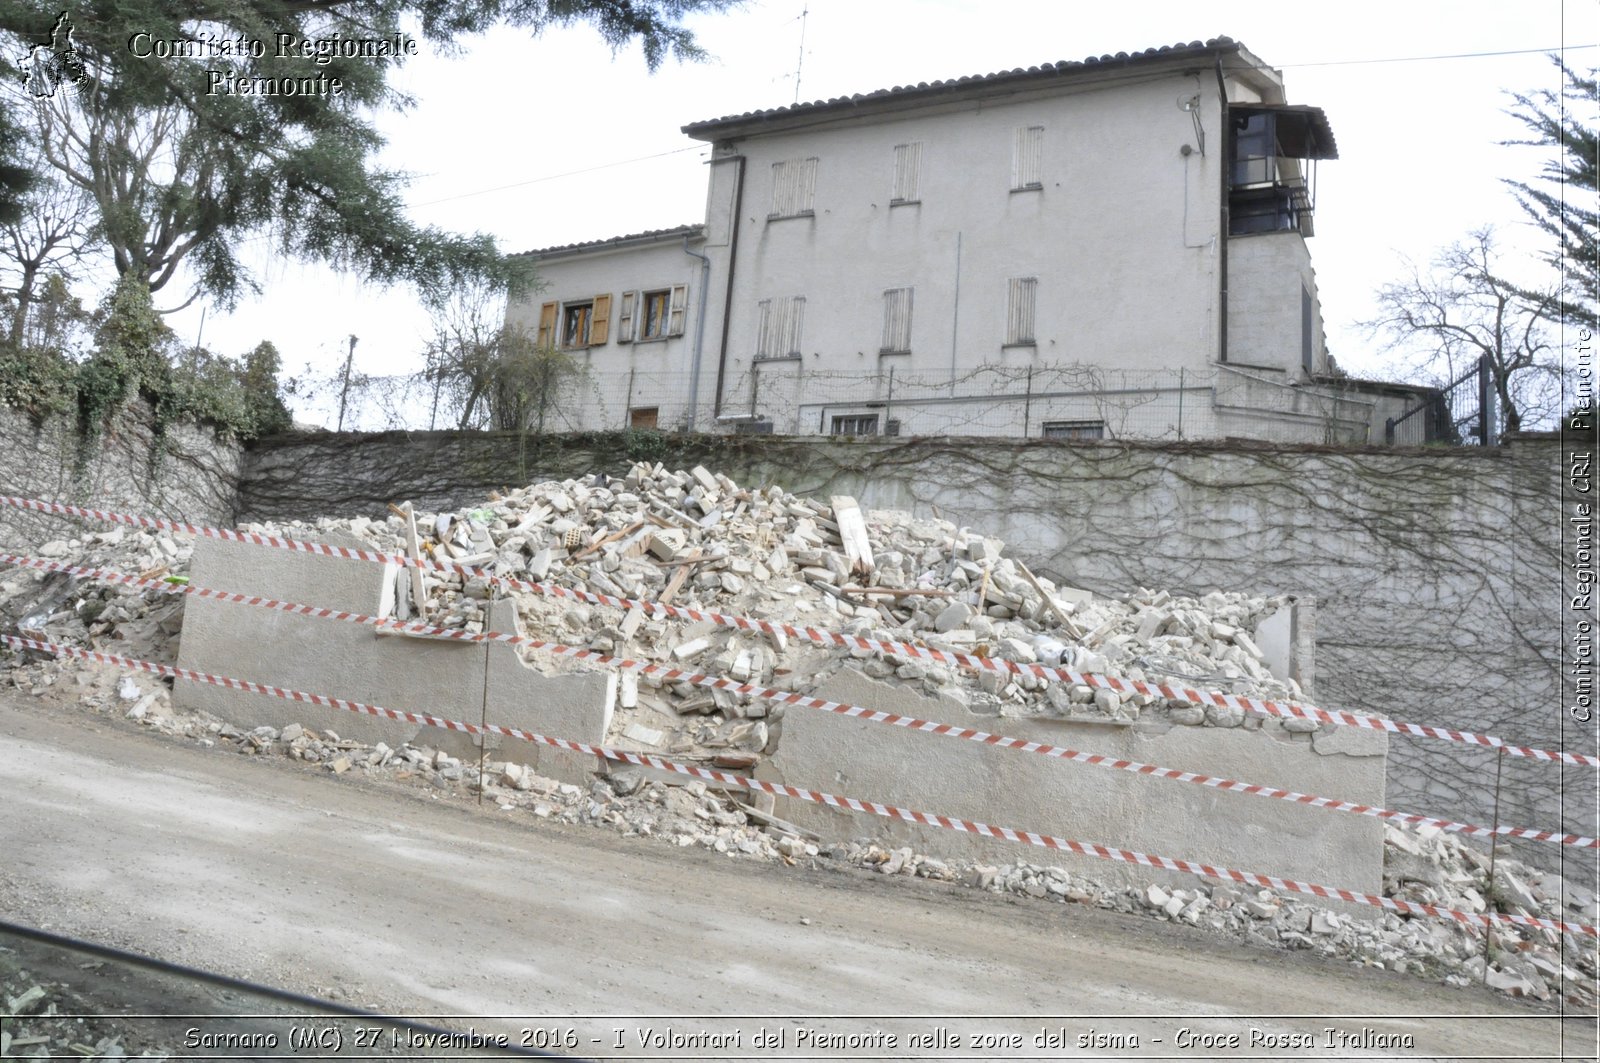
[(1004, 787), (439, 677)]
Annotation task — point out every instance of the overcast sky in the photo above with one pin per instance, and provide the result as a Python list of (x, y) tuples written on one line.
[(554, 140)]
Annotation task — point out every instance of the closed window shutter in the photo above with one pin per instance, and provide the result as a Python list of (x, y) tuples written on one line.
[(897, 320), (680, 298), (796, 316), (599, 327), (1020, 302), (1027, 157), (794, 185), (764, 329), (907, 172), (547, 325), (625, 317)]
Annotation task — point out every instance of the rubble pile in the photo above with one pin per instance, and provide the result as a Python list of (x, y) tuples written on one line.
[(47, 1019), (59, 607), (698, 540)]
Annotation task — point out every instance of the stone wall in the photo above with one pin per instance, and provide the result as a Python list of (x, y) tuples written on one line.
[(190, 474), (1436, 571)]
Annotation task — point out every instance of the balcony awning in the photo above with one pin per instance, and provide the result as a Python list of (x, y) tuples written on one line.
[(1303, 132)]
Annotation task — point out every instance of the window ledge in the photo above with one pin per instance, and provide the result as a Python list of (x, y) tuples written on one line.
[(759, 360), (905, 203), (894, 351), (1035, 187), (1028, 345), (800, 214), (653, 339)]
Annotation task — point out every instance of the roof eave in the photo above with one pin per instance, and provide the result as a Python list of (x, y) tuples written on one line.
[(973, 87)]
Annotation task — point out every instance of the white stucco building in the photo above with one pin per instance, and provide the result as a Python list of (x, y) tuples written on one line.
[(1111, 248)]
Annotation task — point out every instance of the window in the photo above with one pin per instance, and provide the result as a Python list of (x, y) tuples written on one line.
[(907, 173), (1027, 158), (896, 321), (794, 187), (778, 332), (575, 323), (654, 314), (855, 424), (1021, 300), (643, 416), (1074, 430)]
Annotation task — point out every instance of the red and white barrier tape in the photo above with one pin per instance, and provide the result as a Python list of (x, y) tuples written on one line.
[(1043, 841), (785, 697), (1242, 702)]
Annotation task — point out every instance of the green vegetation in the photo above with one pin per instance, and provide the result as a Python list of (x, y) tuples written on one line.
[(134, 356)]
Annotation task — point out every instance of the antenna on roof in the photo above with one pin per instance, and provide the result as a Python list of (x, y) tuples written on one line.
[(801, 61)]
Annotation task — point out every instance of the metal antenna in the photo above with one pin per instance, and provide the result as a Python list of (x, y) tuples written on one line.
[(800, 62)]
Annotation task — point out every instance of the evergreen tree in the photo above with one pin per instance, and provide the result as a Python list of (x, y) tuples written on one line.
[(183, 164), (1564, 203)]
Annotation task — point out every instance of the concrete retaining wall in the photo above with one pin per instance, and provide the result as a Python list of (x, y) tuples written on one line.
[(1005, 787), (433, 676), (1436, 571)]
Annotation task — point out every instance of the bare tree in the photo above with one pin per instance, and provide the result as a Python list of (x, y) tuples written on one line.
[(55, 231), (487, 372), (1461, 308)]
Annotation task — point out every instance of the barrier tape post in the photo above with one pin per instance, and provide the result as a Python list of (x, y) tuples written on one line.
[(1044, 841)]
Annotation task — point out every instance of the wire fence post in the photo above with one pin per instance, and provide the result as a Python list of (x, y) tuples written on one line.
[(888, 401), (1180, 402), (1027, 405)]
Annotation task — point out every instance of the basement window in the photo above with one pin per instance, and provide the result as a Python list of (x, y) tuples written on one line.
[(862, 424), (1079, 430)]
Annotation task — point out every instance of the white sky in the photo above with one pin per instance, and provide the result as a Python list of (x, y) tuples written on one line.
[(546, 141)]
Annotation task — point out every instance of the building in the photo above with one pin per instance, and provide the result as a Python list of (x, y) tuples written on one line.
[(1111, 248)]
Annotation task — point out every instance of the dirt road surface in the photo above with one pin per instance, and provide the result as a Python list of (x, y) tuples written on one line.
[(415, 902)]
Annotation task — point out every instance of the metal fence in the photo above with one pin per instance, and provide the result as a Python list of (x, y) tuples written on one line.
[(783, 396)]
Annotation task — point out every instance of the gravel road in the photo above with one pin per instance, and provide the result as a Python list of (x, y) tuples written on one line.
[(415, 901)]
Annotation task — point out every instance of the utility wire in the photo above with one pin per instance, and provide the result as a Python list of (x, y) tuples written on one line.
[(1430, 58), (556, 176)]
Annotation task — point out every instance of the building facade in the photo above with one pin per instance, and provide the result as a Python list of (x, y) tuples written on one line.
[(1112, 248)]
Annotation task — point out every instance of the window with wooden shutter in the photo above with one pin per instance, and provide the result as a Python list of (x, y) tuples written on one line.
[(778, 331), (625, 317), (599, 328), (547, 325), (680, 300), (907, 173), (794, 186), (896, 321), (1027, 158), (1021, 302)]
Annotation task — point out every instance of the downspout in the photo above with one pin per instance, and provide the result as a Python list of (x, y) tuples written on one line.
[(1222, 241), (699, 332), (727, 304)]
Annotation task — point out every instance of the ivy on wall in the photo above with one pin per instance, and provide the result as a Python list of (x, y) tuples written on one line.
[(135, 356)]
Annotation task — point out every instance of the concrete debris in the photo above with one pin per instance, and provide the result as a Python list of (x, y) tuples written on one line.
[(699, 540)]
